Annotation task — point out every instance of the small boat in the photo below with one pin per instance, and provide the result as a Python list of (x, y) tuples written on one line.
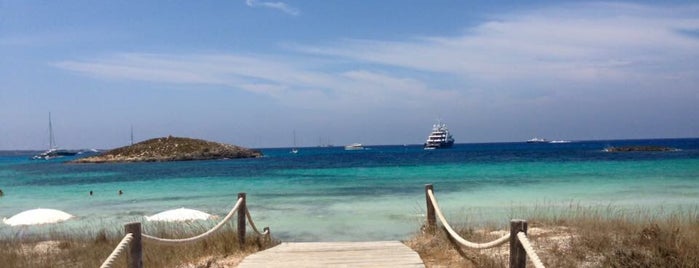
[(439, 138), (537, 140), (559, 141), (53, 151), (354, 146)]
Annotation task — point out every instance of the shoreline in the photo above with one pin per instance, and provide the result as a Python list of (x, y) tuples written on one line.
[(474, 217), (336, 218), (558, 239)]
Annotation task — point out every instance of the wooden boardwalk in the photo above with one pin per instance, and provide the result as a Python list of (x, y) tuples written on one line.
[(335, 254)]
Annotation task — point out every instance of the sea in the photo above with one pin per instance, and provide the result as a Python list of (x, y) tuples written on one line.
[(329, 194)]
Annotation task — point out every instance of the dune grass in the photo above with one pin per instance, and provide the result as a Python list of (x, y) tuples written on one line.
[(572, 236), (91, 248), (579, 236)]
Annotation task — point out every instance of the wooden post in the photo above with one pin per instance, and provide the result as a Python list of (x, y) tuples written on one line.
[(431, 219), (268, 237), (518, 257), (134, 257), (241, 220)]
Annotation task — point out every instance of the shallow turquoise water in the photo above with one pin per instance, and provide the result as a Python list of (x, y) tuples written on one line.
[(328, 194)]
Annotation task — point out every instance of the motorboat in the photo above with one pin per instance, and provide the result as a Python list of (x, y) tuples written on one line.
[(537, 140), (354, 146)]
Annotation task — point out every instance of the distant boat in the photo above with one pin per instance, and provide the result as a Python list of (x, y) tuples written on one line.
[(537, 140), (53, 151), (559, 141), (294, 150), (354, 146), (439, 138), (323, 145)]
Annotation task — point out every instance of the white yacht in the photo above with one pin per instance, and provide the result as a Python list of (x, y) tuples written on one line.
[(537, 140), (354, 146), (439, 138)]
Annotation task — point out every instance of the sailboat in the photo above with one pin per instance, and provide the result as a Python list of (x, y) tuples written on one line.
[(53, 151), (294, 150)]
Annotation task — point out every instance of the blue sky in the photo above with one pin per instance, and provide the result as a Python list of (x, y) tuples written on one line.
[(376, 72)]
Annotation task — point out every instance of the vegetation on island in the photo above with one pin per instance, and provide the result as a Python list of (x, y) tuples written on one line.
[(172, 149)]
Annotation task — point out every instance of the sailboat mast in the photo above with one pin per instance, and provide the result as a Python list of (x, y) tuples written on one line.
[(131, 135), (52, 140), (293, 149)]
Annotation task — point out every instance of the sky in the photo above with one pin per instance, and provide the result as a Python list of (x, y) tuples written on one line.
[(253, 72)]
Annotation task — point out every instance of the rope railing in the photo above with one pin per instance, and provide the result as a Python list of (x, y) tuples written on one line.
[(168, 241), (520, 247), (456, 236), (252, 224), (134, 236), (530, 250), (117, 251)]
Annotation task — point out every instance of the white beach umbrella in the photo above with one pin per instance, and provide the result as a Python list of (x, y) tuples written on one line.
[(37, 216), (180, 214)]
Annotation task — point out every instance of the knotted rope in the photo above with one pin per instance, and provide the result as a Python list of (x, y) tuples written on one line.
[(524, 240), (166, 241), (117, 251), (456, 236)]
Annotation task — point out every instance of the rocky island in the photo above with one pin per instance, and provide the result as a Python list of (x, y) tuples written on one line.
[(171, 149), (645, 148)]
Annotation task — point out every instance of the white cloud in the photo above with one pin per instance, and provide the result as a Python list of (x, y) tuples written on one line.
[(219, 69), (291, 82), (573, 42), (543, 53), (281, 6), (382, 88)]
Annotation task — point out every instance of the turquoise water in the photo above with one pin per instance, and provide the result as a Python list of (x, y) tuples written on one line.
[(328, 194)]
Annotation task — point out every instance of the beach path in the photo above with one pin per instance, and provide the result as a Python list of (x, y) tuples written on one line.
[(335, 254)]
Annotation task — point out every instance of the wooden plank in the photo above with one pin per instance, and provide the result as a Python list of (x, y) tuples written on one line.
[(335, 254)]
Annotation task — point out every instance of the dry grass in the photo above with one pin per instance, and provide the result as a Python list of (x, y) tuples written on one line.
[(437, 250), (90, 250), (580, 237)]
